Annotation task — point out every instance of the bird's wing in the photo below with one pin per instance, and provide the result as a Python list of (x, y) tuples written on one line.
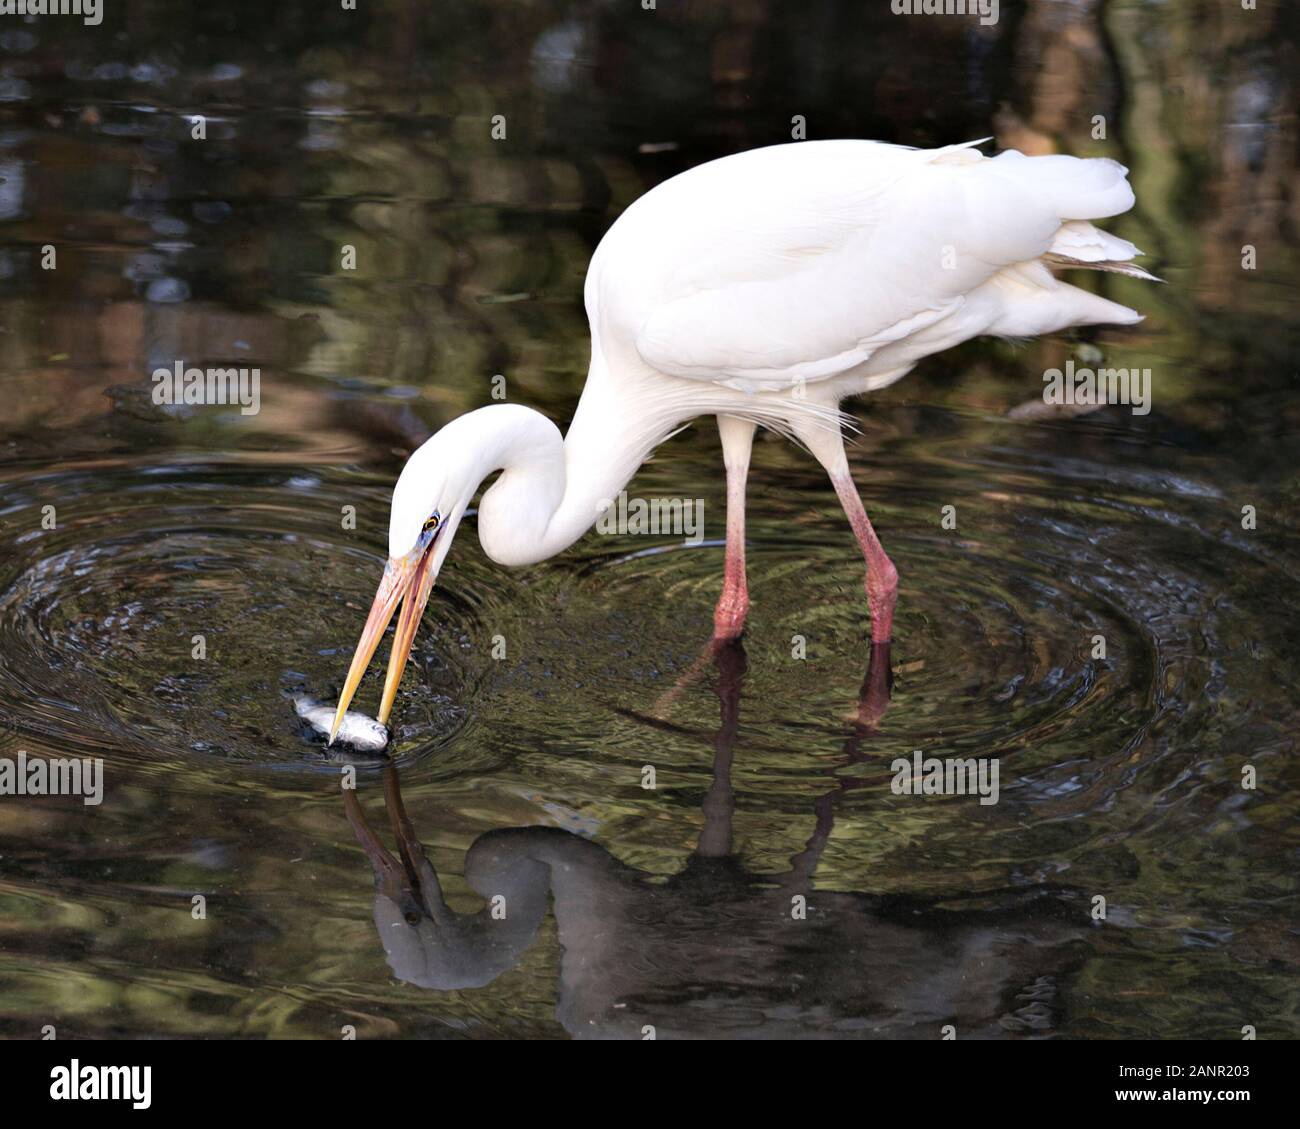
[(755, 341), (799, 262)]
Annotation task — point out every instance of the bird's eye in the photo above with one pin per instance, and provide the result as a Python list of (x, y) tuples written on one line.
[(431, 524)]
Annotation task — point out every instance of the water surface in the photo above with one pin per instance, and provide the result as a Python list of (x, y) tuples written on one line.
[(519, 774)]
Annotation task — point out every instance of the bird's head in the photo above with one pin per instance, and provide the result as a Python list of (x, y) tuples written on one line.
[(431, 496), (427, 507)]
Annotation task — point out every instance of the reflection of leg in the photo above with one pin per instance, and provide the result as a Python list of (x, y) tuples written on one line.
[(804, 865), (669, 697), (877, 686), (873, 700), (719, 800), (733, 604)]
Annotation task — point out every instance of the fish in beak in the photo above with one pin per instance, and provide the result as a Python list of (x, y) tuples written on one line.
[(410, 577)]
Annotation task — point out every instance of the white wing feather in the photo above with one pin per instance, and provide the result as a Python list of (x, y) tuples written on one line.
[(804, 261)]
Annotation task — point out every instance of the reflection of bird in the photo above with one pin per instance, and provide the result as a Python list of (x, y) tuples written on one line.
[(762, 289), (716, 950)]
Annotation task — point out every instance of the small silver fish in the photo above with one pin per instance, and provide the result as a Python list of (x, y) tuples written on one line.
[(357, 731)]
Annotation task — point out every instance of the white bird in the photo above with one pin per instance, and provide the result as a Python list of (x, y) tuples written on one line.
[(762, 288)]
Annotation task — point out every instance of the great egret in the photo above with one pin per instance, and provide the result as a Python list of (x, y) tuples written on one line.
[(761, 288)]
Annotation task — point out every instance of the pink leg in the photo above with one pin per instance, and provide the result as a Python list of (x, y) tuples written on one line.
[(882, 576), (733, 604)]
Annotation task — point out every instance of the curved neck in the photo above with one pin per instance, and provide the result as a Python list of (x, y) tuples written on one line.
[(550, 491)]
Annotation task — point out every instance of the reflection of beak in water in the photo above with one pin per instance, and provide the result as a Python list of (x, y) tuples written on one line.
[(427, 943), (715, 951)]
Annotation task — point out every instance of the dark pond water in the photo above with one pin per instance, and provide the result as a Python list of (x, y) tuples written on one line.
[(521, 775)]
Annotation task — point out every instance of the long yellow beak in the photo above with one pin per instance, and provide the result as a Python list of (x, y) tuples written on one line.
[(410, 577)]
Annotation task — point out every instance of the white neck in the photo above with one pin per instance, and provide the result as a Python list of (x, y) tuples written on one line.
[(550, 491)]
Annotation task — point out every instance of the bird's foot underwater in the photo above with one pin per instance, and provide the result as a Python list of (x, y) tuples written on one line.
[(877, 689)]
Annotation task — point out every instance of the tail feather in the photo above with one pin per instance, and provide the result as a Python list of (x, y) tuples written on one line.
[(1038, 208), (1114, 266), (1033, 302), (1080, 245), (1077, 188)]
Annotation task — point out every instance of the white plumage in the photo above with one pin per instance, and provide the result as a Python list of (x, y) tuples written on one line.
[(849, 260), (764, 288)]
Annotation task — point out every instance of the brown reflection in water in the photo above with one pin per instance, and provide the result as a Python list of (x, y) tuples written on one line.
[(471, 254)]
